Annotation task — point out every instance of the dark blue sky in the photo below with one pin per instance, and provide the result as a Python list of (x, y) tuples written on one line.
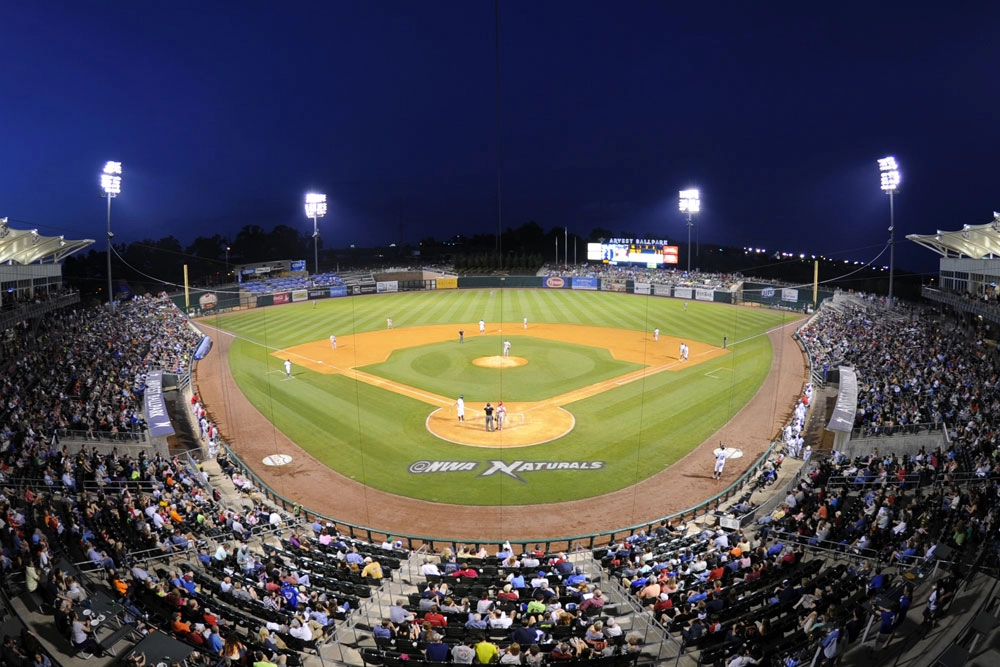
[(225, 114)]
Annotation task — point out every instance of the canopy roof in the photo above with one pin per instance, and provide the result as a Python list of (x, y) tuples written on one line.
[(27, 246), (975, 241)]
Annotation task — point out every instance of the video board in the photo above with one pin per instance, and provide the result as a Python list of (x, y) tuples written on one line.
[(648, 252)]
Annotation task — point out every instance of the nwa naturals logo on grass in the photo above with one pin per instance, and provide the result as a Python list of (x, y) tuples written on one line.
[(493, 467)]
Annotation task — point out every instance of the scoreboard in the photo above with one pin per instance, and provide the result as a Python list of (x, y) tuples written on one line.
[(651, 253)]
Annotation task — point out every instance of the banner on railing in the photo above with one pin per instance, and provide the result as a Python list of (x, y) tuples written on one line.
[(643, 288), (584, 282), (156, 408), (683, 293), (338, 290), (300, 295), (204, 347), (659, 289), (789, 294), (613, 285), (704, 294), (842, 418), (387, 286)]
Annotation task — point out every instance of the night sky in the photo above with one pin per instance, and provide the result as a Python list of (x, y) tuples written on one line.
[(225, 114)]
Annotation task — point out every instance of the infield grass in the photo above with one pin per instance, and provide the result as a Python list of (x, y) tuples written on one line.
[(373, 435)]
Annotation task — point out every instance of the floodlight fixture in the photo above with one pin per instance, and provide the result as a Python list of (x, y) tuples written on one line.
[(690, 201), (889, 169), (315, 208), (111, 179)]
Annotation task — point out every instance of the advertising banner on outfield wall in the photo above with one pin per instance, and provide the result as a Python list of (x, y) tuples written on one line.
[(613, 285), (555, 282), (338, 290), (386, 286), (282, 297), (704, 294), (683, 292), (643, 288), (297, 265), (661, 290), (789, 294), (318, 294), (156, 408), (447, 283), (584, 282), (300, 295)]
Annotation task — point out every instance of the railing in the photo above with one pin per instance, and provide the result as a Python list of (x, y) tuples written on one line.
[(136, 436), (875, 431)]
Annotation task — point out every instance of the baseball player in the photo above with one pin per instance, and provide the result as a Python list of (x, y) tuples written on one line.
[(388, 323), (506, 348), (720, 462), (288, 368), (526, 323), (460, 407), (501, 415), (333, 341), (482, 326), (656, 333)]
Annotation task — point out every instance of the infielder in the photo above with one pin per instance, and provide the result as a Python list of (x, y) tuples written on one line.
[(656, 333), (720, 462), (482, 326), (460, 408), (288, 368), (333, 341), (506, 348), (526, 323)]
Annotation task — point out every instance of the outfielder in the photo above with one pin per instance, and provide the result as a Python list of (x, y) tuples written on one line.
[(288, 368)]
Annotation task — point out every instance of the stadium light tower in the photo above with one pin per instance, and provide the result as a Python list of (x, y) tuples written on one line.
[(315, 208), (889, 169), (111, 184), (690, 203)]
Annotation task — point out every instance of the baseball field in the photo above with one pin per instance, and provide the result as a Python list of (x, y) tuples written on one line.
[(594, 403)]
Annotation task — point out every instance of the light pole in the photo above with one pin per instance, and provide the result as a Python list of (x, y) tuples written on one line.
[(315, 208), (111, 184), (227, 262), (690, 203), (889, 169)]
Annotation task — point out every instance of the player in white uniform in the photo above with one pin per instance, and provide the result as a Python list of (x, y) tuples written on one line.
[(288, 368), (656, 333), (333, 341), (388, 323), (501, 415), (526, 323), (460, 408), (482, 326), (720, 462), (506, 348)]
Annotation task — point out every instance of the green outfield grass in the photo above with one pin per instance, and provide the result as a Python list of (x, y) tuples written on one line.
[(374, 435)]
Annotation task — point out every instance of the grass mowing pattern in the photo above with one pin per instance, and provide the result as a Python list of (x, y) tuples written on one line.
[(373, 435)]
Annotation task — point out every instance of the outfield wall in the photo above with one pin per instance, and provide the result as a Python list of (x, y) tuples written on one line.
[(202, 302)]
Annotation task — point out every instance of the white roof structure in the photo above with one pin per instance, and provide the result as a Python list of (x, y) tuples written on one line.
[(975, 241), (27, 246)]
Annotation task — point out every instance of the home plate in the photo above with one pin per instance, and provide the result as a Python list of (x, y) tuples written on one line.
[(731, 452), (277, 460)]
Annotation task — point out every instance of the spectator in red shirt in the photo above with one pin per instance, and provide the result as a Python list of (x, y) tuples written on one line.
[(435, 618)]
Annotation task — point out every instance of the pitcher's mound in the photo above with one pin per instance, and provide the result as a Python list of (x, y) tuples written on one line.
[(500, 362)]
